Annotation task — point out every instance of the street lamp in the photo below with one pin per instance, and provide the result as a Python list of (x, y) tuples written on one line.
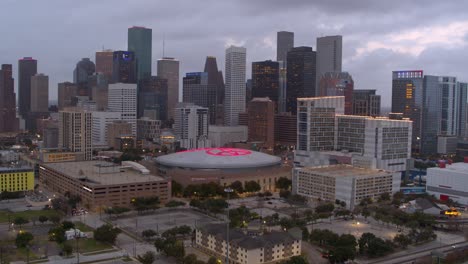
[(228, 191)]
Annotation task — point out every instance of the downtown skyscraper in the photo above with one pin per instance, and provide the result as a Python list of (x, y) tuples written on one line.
[(124, 67), (300, 76), (140, 42), (234, 99), (284, 43), (265, 80), (27, 67), (329, 55), (168, 68), (8, 120)]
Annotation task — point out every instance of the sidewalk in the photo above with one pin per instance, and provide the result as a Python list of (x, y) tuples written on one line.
[(83, 258)]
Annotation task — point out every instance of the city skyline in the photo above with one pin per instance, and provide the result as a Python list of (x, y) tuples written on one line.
[(372, 48)]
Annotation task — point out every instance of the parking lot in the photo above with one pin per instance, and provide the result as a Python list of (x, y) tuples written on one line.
[(163, 220)]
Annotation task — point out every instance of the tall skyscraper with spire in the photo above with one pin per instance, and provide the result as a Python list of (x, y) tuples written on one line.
[(8, 120), (168, 68), (27, 67), (234, 99), (140, 42)]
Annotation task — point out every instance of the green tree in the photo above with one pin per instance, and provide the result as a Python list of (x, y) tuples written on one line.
[(365, 212), (325, 208), (365, 201), (146, 203), (57, 234), (177, 188), (364, 241), (174, 249), (384, 197), (212, 260), (106, 233), (237, 186), (67, 249), (67, 225), (296, 260), (252, 186), (402, 240), (74, 200), (43, 219), (283, 183), (148, 233), (190, 259), (148, 258), (20, 221), (174, 203), (23, 239), (55, 219)]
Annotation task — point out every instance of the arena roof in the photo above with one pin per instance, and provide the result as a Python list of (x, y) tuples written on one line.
[(219, 158)]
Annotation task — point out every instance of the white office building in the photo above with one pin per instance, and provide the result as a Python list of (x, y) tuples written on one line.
[(101, 120), (449, 181), (234, 97), (326, 136), (345, 183), (191, 126), (122, 98)]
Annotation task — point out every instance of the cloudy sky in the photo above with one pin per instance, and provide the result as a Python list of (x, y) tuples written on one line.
[(378, 36)]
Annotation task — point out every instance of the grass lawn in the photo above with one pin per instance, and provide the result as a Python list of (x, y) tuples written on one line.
[(27, 214), (83, 227), (11, 253), (89, 245)]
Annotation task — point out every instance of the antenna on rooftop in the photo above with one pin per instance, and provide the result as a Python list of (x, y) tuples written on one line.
[(164, 44)]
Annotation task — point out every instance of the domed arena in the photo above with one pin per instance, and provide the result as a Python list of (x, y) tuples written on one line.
[(223, 166)]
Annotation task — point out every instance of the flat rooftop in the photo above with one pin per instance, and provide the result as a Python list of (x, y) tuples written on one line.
[(460, 167), (102, 172), (343, 170)]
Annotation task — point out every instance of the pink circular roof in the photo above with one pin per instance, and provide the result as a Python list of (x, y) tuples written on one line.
[(218, 158)]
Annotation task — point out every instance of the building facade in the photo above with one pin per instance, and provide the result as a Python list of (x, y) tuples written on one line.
[(168, 68), (234, 99), (222, 135), (329, 55), (40, 93), (366, 103), (337, 84), (103, 184), (16, 179), (191, 126), (27, 67), (140, 43), (286, 129), (119, 135), (148, 129), (301, 63), (345, 183), (284, 43), (66, 92), (153, 96), (265, 80), (8, 120), (197, 90), (75, 132), (104, 63), (83, 70), (258, 247), (101, 120), (122, 98), (124, 67), (261, 121)]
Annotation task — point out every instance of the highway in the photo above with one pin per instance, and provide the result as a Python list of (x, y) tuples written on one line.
[(411, 257)]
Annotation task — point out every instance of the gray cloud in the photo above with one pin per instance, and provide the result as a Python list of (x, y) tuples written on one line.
[(59, 33)]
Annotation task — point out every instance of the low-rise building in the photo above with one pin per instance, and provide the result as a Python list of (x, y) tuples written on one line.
[(103, 184), (16, 179), (268, 247), (449, 181), (344, 182)]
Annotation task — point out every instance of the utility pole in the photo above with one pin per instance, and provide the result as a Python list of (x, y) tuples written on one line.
[(228, 191)]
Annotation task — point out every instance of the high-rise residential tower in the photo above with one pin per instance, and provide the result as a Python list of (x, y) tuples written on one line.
[(124, 67), (407, 98), (27, 67), (284, 43), (234, 99), (329, 55), (75, 132), (139, 41), (300, 76), (122, 98), (8, 120), (265, 80), (191, 125), (104, 63), (40, 93), (168, 68)]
